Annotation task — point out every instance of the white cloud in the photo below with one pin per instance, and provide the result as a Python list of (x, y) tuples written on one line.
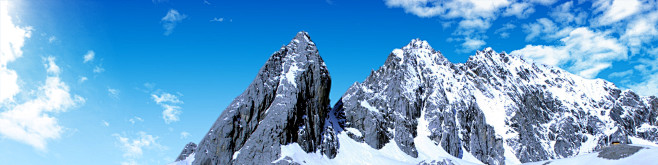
[(105, 123), (29, 119), (114, 93), (563, 14), (30, 122), (217, 19), (503, 30), (51, 67), (52, 39), (450, 8), (170, 113), (135, 119), (586, 52), (99, 69), (549, 55), (168, 101), (520, 10), (472, 44), (133, 148), (8, 85), (474, 16), (12, 38), (165, 98), (89, 56), (641, 31), (184, 135), (11, 44), (82, 79), (648, 87), (473, 24), (615, 10), (543, 25), (170, 21)]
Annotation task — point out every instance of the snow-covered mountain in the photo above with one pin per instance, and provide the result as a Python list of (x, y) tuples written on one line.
[(419, 108)]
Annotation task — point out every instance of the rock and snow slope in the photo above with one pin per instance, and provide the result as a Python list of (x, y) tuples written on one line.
[(286, 103), (421, 108), (496, 107)]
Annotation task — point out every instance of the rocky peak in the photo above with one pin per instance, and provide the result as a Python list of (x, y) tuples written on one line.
[(417, 44), (287, 102), (302, 37)]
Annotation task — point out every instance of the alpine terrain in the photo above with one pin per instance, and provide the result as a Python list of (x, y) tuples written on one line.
[(420, 108)]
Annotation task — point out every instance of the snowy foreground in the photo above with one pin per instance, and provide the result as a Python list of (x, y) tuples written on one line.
[(646, 155), (352, 152)]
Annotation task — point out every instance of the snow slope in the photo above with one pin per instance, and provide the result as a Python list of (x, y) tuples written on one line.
[(647, 155)]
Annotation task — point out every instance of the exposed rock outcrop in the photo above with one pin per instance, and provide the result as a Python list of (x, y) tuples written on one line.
[(287, 102)]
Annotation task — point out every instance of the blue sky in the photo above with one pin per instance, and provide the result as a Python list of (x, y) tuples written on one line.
[(131, 82)]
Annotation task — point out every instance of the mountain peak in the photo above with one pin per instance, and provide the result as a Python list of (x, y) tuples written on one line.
[(417, 44), (302, 37)]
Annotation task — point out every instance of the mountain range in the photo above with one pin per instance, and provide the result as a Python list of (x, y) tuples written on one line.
[(420, 108)]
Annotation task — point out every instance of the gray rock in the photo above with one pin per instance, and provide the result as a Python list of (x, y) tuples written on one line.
[(187, 151), (616, 152), (287, 102)]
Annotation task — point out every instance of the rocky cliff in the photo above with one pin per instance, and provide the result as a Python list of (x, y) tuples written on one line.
[(496, 107), (287, 102)]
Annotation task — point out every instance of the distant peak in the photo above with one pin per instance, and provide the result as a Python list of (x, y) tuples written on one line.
[(418, 44), (302, 36)]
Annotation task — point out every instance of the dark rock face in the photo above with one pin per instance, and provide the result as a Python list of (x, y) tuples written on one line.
[(187, 151), (287, 102)]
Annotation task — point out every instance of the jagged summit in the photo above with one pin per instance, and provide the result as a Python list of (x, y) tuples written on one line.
[(417, 52), (287, 102), (417, 44), (302, 36)]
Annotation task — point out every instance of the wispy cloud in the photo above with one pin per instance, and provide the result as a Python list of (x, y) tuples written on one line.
[(184, 135), (133, 148), (170, 20), (135, 119), (615, 10), (89, 56), (114, 93), (105, 123), (52, 39), (99, 69), (169, 103), (587, 52), (82, 79), (503, 31), (217, 19)]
